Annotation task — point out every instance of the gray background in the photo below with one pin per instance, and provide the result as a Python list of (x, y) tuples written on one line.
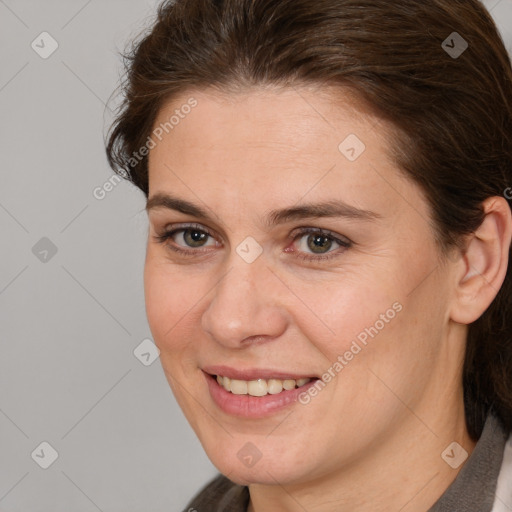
[(70, 321)]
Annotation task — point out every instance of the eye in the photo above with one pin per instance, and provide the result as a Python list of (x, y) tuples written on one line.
[(193, 236), (319, 242), (316, 240)]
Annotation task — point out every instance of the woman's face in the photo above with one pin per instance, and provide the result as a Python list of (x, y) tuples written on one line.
[(260, 296)]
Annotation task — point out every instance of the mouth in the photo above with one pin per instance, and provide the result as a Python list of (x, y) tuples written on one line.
[(255, 393), (260, 387)]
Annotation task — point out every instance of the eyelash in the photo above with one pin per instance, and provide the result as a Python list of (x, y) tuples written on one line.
[(163, 238)]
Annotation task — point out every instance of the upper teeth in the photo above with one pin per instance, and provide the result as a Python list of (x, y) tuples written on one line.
[(259, 387)]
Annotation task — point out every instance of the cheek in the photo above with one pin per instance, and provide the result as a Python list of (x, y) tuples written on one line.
[(170, 297), (346, 309), (373, 321)]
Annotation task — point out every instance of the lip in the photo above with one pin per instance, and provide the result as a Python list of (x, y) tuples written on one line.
[(246, 406), (254, 373)]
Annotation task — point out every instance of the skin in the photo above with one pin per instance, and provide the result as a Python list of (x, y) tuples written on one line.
[(382, 423)]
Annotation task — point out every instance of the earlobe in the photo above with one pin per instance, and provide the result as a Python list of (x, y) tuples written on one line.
[(484, 263)]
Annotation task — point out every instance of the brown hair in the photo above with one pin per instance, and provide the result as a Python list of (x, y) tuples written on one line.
[(452, 113)]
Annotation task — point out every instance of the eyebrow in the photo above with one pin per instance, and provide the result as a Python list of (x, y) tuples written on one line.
[(330, 208)]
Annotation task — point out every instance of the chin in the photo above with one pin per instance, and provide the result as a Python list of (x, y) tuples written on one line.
[(265, 471)]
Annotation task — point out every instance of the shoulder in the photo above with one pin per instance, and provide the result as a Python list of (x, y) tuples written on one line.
[(503, 500), (220, 495)]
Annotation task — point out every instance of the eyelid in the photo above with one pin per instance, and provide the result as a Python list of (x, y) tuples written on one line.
[(303, 230)]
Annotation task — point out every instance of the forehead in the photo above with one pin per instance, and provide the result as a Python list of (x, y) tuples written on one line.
[(300, 120), (289, 144)]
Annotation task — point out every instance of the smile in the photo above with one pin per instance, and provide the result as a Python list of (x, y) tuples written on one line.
[(260, 387), (254, 392)]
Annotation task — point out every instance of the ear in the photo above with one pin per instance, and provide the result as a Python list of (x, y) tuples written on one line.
[(484, 265)]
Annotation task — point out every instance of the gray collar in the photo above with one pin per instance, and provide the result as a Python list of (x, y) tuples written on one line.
[(475, 486)]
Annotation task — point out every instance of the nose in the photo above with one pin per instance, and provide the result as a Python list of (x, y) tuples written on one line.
[(245, 305)]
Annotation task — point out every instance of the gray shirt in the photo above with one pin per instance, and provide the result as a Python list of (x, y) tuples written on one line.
[(472, 491)]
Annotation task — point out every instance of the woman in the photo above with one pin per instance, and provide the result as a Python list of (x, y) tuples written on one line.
[(327, 272)]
